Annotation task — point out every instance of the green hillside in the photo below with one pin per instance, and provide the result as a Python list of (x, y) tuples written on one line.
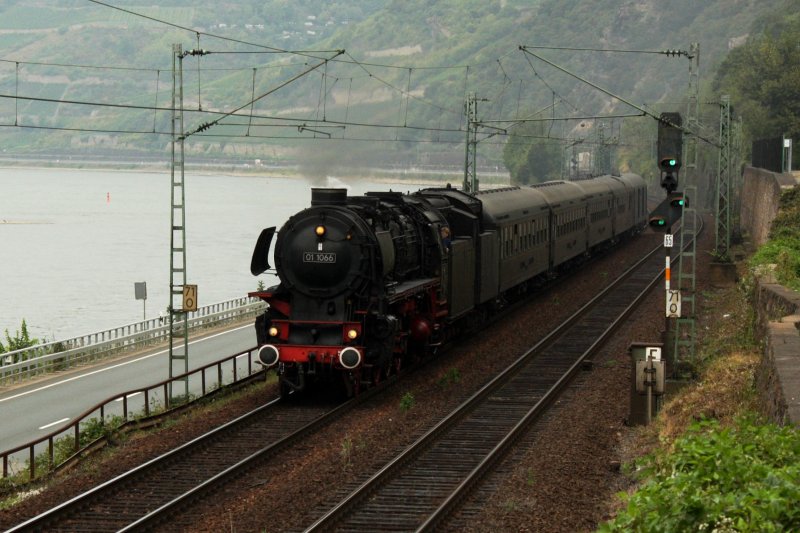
[(396, 95)]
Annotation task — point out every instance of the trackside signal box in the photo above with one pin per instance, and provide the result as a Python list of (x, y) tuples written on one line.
[(668, 212), (647, 377)]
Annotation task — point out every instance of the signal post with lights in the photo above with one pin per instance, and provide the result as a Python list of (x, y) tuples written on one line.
[(670, 210), (670, 147), (649, 372)]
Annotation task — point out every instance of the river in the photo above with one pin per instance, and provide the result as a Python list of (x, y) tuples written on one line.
[(74, 242)]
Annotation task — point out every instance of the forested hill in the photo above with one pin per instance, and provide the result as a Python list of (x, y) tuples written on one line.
[(408, 67)]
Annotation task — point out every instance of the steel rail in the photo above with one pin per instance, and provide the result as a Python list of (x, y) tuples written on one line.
[(73, 429), (451, 503), (336, 514), (147, 518)]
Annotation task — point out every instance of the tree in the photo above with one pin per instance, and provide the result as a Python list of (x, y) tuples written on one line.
[(763, 80), (532, 157)]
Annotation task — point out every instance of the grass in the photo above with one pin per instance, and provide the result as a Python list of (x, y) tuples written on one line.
[(63, 448), (450, 377), (346, 451)]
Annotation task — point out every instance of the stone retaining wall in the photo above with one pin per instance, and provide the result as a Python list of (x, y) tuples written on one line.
[(761, 192), (778, 308), (778, 374)]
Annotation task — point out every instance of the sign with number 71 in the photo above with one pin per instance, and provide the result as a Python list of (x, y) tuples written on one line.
[(673, 304)]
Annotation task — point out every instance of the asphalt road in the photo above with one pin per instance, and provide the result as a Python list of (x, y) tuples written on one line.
[(31, 411)]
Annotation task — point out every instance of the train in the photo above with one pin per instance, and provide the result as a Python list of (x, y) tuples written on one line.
[(369, 283)]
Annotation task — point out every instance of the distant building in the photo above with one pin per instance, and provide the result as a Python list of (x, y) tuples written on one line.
[(735, 42)]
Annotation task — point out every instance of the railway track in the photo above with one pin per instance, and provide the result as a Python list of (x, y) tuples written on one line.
[(152, 493), (423, 486), (149, 494)]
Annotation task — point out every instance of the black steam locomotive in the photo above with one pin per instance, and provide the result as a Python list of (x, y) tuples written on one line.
[(368, 282)]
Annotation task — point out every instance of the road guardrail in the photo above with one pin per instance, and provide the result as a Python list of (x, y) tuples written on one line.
[(59, 355), (134, 409)]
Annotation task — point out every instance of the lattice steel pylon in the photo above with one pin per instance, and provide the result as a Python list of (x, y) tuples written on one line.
[(178, 320), (470, 154), (602, 159), (684, 342), (723, 211), (684, 332), (737, 180), (692, 108)]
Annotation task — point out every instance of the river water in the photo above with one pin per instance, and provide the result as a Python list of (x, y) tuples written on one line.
[(74, 242)]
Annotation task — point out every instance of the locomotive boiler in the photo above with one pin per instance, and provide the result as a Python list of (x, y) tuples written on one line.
[(370, 282)]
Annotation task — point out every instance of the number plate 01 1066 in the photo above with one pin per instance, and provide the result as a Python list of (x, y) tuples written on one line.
[(319, 257)]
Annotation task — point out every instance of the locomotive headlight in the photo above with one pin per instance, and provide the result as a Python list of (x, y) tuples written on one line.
[(319, 230), (352, 334), (273, 331)]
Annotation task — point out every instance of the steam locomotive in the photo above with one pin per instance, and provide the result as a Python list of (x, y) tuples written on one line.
[(370, 282)]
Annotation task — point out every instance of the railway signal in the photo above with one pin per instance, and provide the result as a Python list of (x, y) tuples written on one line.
[(668, 211), (670, 146)]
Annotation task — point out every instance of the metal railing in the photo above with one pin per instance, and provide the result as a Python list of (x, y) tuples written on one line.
[(59, 355), (134, 409)]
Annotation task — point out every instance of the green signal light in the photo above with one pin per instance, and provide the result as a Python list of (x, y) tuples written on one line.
[(678, 201), (669, 163)]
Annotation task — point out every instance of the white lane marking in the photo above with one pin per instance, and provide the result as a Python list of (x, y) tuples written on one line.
[(129, 396), (74, 378), (51, 424)]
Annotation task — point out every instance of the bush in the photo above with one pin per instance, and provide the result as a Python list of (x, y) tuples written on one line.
[(784, 252), (19, 341), (406, 402), (783, 247), (742, 478)]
